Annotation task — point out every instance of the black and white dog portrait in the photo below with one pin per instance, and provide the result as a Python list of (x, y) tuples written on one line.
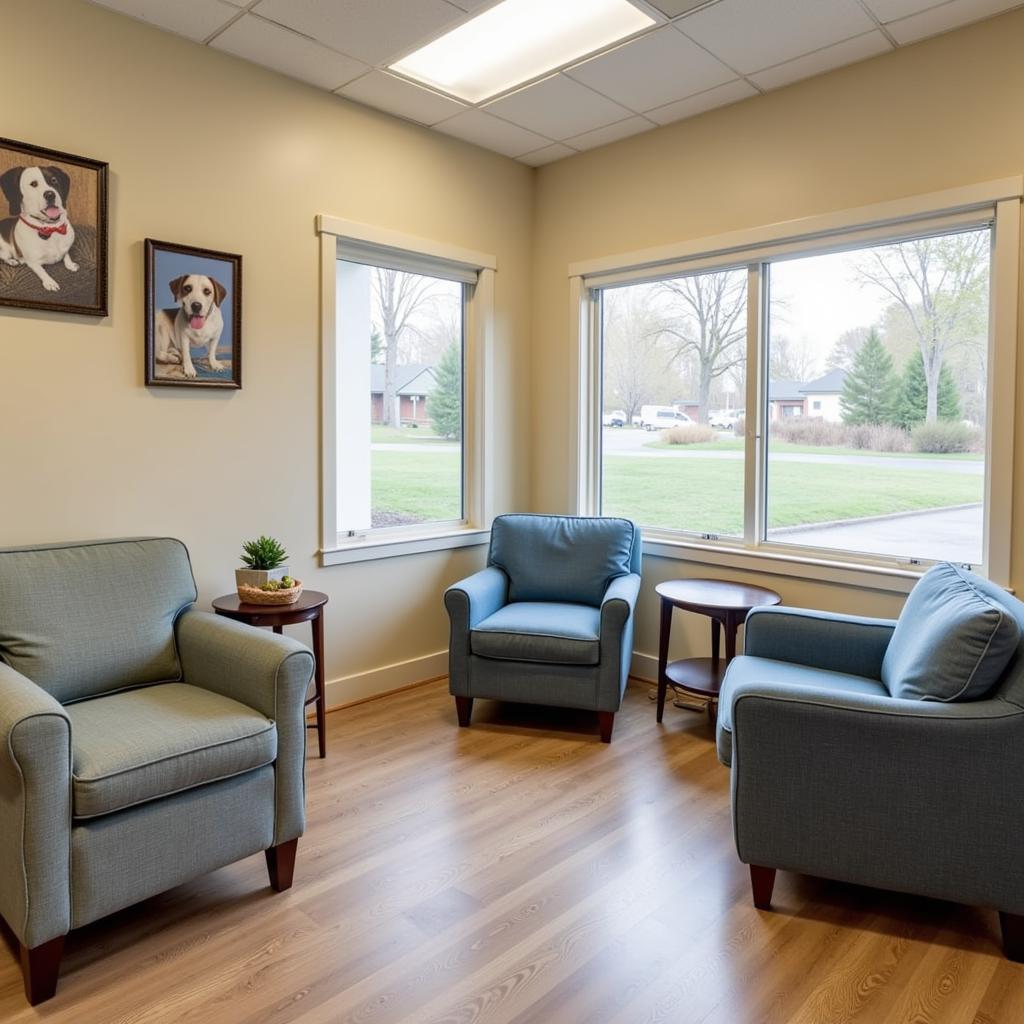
[(38, 232), (53, 230)]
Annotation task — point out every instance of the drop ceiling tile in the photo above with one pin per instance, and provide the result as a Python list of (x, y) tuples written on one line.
[(848, 52), (611, 133), (949, 16), (195, 19), (373, 31), (397, 96), (286, 51), (558, 107), (753, 36), (720, 96), (890, 10), (653, 70), (547, 155), (492, 133), (675, 7)]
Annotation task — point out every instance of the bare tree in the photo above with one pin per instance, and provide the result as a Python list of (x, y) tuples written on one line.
[(634, 362), (399, 297), (940, 283), (846, 347), (792, 359), (707, 324)]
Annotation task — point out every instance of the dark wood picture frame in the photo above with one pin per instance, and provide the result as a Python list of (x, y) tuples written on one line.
[(21, 286), (168, 297)]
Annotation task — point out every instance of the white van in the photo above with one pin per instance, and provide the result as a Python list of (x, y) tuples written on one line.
[(660, 417)]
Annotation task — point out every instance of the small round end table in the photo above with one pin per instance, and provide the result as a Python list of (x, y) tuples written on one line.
[(726, 604), (309, 608)]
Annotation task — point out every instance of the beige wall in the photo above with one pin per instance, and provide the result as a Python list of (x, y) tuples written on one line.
[(946, 112), (208, 150)]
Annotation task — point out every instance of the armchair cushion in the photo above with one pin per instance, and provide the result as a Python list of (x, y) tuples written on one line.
[(748, 669), (562, 558), (136, 746), (540, 631), (952, 641)]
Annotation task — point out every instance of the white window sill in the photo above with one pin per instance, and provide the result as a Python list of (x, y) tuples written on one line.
[(369, 546), (853, 574)]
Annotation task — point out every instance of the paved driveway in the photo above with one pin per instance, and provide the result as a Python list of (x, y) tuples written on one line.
[(950, 534)]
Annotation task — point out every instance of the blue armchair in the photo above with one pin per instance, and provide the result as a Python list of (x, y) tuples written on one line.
[(884, 753), (550, 620)]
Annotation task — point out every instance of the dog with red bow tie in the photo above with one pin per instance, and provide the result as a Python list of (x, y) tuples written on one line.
[(38, 233)]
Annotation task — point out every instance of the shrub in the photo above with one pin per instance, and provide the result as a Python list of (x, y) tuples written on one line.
[(878, 437), (809, 430), (944, 437), (739, 428), (689, 433)]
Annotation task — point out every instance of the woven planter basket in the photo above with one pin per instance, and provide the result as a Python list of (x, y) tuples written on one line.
[(253, 595)]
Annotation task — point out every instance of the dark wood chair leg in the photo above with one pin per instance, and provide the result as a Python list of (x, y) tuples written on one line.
[(40, 968), (762, 881), (464, 709), (1013, 936), (607, 723), (281, 864)]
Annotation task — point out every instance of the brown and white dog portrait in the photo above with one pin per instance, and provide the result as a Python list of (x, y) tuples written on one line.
[(38, 233), (196, 320)]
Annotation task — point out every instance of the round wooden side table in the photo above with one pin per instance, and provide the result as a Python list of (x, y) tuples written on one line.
[(309, 608), (726, 604)]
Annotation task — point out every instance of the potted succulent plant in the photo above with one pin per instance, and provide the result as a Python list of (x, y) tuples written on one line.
[(265, 559)]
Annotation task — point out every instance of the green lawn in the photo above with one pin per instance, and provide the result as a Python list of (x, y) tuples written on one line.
[(697, 495), (418, 487), (706, 495), (731, 444)]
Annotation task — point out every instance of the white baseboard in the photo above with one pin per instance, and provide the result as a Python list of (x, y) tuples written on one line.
[(644, 666), (386, 679)]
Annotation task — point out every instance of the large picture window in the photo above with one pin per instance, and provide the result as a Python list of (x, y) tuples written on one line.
[(821, 396)]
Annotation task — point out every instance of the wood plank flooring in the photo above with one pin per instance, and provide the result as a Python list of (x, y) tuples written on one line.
[(521, 871)]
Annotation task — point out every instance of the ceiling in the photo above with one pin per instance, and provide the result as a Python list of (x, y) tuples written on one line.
[(702, 54)]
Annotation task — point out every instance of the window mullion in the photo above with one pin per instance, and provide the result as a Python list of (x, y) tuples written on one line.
[(753, 449)]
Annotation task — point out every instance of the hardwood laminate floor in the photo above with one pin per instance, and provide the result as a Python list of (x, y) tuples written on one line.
[(522, 871)]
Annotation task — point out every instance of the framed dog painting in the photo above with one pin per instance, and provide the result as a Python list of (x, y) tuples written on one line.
[(193, 316), (53, 230)]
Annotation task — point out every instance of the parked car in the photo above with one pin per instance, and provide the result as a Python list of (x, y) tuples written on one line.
[(615, 418), (726, 419), (661, 417)]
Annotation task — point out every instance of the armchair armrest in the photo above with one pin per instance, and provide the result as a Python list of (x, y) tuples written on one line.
[(471, 600), (839, 643), (35, 811), (468, 602), (899, 794), (270, 674), (619, 602), (616, 639)]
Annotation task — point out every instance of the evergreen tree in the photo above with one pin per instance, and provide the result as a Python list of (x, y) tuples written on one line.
[(912, 406), (444, 403), (869, 391)]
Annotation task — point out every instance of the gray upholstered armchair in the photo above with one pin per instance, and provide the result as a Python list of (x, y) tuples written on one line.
[(550, 620), (142, 743), (885, 753)]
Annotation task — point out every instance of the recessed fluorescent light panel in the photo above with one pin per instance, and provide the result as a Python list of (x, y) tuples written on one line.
[(517, 40)]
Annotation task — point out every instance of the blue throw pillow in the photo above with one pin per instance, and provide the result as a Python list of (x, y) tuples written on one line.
[(952, 641)]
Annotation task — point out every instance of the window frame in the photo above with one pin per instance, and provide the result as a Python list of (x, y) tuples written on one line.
[(342, 239), (995, 203)]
